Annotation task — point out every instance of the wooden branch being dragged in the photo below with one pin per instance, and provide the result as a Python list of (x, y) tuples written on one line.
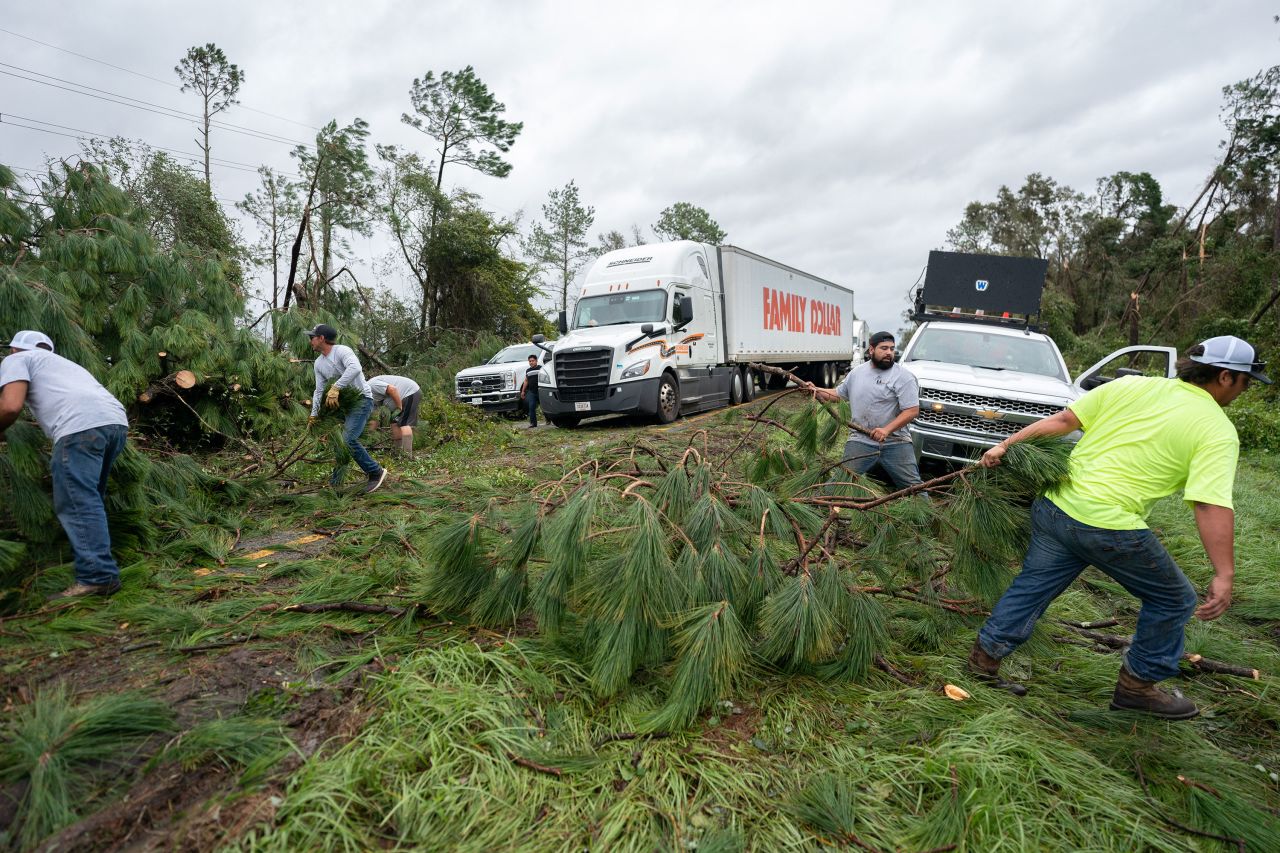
[(1197, 661)]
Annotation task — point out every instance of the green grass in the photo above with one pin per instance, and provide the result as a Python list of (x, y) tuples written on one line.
[(454, 722)]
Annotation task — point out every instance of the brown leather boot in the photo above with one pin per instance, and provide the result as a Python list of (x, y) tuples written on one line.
[(1134, 694), (987, 669)]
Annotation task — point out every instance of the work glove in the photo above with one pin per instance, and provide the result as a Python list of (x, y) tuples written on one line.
[(311, 421), (331, 399)]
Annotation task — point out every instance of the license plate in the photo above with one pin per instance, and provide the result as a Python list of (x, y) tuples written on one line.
[(582, 407), (475, 401)]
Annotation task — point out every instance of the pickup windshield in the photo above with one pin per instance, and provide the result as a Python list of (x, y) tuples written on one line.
[(518, 352), (980, 348), (612, 309)]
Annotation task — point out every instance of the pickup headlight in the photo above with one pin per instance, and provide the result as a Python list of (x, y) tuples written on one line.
[(509, 381), (640, 368)]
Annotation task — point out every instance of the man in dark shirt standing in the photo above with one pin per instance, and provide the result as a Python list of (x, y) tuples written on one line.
[(529, 390)]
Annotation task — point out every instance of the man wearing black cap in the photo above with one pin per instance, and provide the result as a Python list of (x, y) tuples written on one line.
[(88, 428), (1144, 438), (339, 363), (883, 397)]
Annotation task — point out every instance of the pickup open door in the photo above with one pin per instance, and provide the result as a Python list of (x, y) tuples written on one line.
[(1130, 361)]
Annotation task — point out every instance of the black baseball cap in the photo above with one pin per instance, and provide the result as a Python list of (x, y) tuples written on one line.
[(323, 330)]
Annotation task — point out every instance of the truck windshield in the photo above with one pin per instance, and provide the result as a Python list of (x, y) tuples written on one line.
[(979, 348), (612, 309)]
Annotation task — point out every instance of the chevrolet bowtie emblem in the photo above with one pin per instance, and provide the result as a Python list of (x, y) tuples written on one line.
[(989, 414)]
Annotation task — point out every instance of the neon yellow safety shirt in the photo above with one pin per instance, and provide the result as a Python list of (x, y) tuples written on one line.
[(1145, 438)]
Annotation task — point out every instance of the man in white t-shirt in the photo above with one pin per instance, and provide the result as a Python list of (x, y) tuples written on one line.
[(88, 428)]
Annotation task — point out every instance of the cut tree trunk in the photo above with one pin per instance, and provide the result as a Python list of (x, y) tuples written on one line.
[(183, 379)]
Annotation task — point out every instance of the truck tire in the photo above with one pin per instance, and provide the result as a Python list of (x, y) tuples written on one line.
[(748, 385), (564, 421), (668, 399), (736, 390)]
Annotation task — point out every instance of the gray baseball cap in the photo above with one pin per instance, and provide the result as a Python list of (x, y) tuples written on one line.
[(1234, 354)]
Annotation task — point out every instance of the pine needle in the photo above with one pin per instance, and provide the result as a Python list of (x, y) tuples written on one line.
[(711, 652), (799, 624)]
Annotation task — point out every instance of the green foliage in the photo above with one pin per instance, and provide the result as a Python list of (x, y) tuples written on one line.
[(711, 649), (561, 242), (458, 111), (254, 744), (684, 221), (60, 750), (1257, 421)]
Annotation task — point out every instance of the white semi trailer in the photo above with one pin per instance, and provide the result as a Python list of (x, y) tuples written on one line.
[(668, 328)]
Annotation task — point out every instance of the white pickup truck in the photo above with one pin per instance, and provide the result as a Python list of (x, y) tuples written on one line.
[(495, 385), (985, 370)]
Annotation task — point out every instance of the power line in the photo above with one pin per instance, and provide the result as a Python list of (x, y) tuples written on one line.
[(181, 155), (146, 76), (145, 106), (88, 134)]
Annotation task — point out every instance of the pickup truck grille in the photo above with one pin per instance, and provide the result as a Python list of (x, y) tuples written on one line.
[(938, 395), (583, 376), (489, 384), (969, 423)]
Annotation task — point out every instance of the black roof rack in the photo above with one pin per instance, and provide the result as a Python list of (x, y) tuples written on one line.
[(989, 289)]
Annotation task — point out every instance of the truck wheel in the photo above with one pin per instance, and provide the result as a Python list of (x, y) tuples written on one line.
[(668, 399), (564, 421), (735, 388), (748, 385)]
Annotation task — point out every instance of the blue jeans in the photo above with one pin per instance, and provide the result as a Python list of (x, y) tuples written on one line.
[(531, 400), (357, 420), (898, 458), (1060, 549), (80, 465)]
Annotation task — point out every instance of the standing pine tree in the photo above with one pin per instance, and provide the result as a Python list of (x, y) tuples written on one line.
[(207, 72), (560, 240)]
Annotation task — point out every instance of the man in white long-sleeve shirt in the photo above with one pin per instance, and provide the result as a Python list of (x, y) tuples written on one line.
[(339, 363)]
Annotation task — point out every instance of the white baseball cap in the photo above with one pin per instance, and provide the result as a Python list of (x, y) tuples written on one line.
[(30, 340), (1234, 354)]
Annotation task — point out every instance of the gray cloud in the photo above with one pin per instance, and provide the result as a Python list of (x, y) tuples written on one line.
[(840, 138)]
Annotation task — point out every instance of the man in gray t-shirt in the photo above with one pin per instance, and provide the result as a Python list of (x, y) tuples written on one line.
[(88, 429), (403, 394), (883, 397)]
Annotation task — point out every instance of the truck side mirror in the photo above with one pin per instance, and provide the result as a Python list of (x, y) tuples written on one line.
[(646, 329), (683, 313), (563, 323), (897, 357), (539, 339)]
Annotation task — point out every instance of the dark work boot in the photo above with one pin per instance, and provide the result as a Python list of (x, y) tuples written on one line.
[(1134, 694), (987, 669)]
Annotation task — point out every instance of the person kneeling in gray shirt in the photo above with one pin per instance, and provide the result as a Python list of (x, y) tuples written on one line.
[(88, 428)]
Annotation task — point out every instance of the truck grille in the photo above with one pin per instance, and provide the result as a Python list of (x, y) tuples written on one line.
[(583, 376), (938, 395), (489, 384), (968, 423)]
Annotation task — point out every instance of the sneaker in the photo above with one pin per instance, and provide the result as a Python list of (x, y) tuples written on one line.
[(1134, 694), (81, 590), (375, 481)]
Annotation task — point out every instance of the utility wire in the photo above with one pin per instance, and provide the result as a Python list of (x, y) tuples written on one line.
[(168, 83), (146, 106), (181, 155), (88, 134)]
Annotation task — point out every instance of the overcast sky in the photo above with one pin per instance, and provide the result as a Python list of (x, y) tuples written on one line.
[(841, 138)]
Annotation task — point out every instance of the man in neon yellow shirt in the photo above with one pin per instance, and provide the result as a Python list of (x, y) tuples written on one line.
[(1144, 438)]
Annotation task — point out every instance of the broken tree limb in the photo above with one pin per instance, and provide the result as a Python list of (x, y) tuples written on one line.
[(533, 765), (184, 379), (809, 386), (1197, 661), (367, 353)]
